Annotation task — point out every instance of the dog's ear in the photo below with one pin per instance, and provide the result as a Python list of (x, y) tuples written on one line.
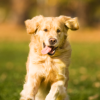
[(33, 24), (70, 23)]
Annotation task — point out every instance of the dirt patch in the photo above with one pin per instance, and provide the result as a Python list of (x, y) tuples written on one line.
[(87, 35), (13, 33)]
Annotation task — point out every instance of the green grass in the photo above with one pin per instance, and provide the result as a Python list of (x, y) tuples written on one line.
[(84, 83)]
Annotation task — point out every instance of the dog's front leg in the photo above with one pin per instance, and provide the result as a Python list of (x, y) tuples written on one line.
[(57, 90), (30, 87)]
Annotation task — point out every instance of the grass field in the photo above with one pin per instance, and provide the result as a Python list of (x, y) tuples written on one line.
[(84, 83)]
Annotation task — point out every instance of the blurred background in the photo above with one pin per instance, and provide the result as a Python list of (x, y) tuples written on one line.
[(13, 13), (84, 83)]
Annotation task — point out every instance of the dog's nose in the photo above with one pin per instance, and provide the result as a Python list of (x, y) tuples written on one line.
[(52, 41)]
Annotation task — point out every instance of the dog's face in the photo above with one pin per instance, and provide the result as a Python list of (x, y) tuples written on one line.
[(51, 30)]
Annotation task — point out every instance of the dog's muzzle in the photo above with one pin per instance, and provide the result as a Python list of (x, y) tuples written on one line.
[(52, 41), (48, 49)]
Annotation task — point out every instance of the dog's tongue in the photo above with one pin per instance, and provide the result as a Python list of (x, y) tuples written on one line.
[(46, 50)]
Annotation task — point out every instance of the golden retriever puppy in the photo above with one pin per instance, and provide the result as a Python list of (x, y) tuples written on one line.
[(49, 58)]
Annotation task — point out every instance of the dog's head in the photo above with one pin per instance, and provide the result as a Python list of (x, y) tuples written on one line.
[(51, 30)]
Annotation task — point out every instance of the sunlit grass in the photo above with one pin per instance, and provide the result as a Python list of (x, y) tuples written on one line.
[(12, 69), (84, 81)]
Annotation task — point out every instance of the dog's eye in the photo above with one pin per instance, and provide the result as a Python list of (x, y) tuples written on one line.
[(58, 30), (36, 31), (45, 30)]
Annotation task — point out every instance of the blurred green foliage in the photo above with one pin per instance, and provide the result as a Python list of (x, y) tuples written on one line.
[(84, 82), (17, 11)]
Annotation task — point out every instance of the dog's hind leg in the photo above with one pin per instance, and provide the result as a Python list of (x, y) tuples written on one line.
[(67, 97)]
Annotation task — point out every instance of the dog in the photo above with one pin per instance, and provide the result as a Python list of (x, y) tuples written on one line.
[(49, 57)]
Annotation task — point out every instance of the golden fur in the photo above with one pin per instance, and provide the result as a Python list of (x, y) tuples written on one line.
[(47, 75)]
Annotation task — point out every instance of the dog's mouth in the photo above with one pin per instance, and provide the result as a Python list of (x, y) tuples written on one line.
[(48, 49)]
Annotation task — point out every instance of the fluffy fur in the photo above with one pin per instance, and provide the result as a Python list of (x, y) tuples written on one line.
[(47, 75)]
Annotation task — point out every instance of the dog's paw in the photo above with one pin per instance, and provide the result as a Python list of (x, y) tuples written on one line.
[(27, 98), (50, 97)]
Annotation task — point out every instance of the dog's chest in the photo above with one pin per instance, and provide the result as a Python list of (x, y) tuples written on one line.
[(54, 70)]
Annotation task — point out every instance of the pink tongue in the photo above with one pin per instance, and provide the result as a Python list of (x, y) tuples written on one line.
[(46, 50)]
